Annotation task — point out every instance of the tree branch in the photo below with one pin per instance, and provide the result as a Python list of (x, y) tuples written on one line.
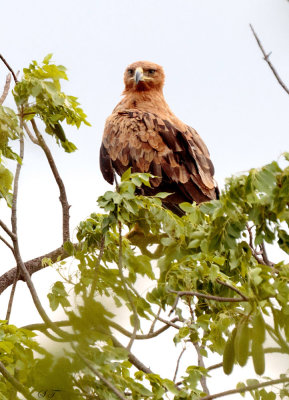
[(132, 358), (20, 264), (6, 229), (178, 364), (120, 395), (204, 296), (232, 288), (7, 244), (6, 89), (245, 389), (63, 197), (9, 68), (201, 364), (266, 58), (30, 135), (32, 266), (14, 382)]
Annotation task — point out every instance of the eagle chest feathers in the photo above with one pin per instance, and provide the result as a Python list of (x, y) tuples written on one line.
[(149, 138)]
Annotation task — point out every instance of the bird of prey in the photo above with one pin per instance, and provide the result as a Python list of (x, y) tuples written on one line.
[(144, 134)]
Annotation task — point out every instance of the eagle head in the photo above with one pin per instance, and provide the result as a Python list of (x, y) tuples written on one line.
[(143, 76)]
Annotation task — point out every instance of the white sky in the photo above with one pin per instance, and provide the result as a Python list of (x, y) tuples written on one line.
[(216, 82)]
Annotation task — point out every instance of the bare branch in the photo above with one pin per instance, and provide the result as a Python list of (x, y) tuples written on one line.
[(43, 327), (9, 68), (63, 197), (7, 244), (204, 296), (265, 256), (245, 389), (6, 229), (266, 58), (132, 358), (201, 364), (30, 135), (101, 250), (155, 320), (12, 294), (178, 363), (232, 288), (32, 266), (6, 89), (120, 395), (20, 264)]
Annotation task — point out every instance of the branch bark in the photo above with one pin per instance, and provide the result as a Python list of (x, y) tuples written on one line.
[(6, 89), (9, 68), (32, 266), (63, 196)]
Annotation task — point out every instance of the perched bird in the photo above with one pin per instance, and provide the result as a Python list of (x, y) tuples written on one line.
[(144, 134)]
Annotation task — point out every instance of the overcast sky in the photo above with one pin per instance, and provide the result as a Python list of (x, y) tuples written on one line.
[(216, 81)]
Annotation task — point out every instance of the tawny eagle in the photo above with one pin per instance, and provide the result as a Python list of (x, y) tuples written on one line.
[(144, 134)]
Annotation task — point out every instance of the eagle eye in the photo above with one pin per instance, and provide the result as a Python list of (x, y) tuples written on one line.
[(130, 71), (151, 71)]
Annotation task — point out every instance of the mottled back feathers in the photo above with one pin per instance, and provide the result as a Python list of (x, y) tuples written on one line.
[(144, 134)]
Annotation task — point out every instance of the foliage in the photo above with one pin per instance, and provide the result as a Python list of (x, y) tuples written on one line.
[(208, 270)]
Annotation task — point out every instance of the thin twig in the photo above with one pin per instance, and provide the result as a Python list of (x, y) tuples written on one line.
[(14, 382), (12, 294), (101, 250), (42, 327), (9, 68), (232, 288), (201, 363), (251, 245), (6, 229), (7, 244), (155, 321), (204, 296), (120, 395), (265, 256), (266, 58), (6, 89), (178, 364), (63, 196), (128, 294), (30, 135), (245, 389)]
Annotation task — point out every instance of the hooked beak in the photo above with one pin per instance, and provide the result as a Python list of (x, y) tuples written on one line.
[(138, 76)]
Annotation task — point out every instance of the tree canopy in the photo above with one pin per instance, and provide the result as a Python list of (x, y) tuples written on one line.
[(212, 280)]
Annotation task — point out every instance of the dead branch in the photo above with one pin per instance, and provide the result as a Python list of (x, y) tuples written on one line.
[(266, 58)]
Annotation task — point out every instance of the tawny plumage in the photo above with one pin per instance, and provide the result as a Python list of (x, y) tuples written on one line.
[(144, 134)]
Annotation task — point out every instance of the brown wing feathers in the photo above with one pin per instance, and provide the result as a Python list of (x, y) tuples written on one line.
[(143, 133)]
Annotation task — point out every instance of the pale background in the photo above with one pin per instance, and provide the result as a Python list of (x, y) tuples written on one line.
[(216, 82)]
